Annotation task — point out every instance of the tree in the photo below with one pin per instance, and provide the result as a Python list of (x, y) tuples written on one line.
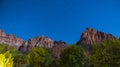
[(4, 48), (106, 54), (39, 57), (17, 55), (19, 60), (6, 60), (72, 56), (56, 63)]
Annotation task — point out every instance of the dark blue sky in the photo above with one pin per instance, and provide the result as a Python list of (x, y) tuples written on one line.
[(59, 19)]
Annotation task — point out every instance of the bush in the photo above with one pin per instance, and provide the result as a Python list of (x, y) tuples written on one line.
[(72, 56), (106, 54), (39, 57), (6, 60)]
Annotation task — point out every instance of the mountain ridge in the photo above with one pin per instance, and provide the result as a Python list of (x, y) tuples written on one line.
[(38, 41), (89, 37)]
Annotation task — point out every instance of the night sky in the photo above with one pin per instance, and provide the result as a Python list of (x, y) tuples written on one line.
[(59, 19)]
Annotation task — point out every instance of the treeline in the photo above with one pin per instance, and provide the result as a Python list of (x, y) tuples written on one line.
[(105, 54)]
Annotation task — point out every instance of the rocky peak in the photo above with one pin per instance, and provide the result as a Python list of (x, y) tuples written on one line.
[(10, 36), (91, 37), (2, 33), (41, 41), (57, 49), (10, 40), (60, 42)]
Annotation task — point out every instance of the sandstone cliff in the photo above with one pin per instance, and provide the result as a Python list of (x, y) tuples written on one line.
[(43, 41), (91, 36), (57, 49), (26, 46), (88, 38), (40, 41), (10, 40)]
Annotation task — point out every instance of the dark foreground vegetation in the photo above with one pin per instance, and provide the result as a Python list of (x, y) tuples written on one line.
[(105, 54)]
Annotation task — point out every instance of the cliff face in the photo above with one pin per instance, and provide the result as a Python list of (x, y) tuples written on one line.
[(55, 46), (40, 41), (37, 42), (92, 36), (88, 38), (10, 40), (57, 49)]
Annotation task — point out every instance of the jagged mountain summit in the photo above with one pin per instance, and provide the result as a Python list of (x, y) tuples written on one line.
[(26, 46), (40, 41), (10, 40), (43, 41), (91, 36), (59, 46)]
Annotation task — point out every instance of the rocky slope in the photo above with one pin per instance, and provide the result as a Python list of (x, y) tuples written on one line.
[(88, 38), (10, 40), (58, 47), (43, 41), (40, 41), (92, 36)]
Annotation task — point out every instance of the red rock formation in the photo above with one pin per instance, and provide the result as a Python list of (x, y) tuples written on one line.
[(37, 42), (25, 47), (2, 33), (10, 40), (55, 46), (88, 38), (57, 49), (92, 36), (41, 42)]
